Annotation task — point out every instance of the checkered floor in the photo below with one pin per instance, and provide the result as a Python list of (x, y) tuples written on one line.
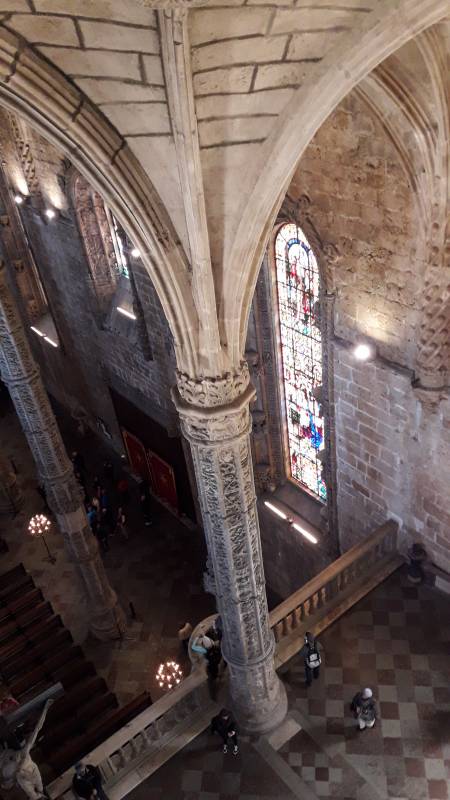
[(397, 642)]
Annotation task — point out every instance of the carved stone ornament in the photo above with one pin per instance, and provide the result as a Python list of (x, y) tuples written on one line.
[(218, 432), (209, 392)]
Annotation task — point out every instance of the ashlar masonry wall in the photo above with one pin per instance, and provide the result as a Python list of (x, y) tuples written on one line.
[(392, 443)]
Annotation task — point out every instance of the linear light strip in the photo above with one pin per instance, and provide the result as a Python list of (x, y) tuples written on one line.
[(125, 312), (275, 510), (304, 533)]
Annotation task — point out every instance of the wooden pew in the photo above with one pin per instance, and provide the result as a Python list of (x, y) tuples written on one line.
[(30, 656), (65, 756), (76, 696), (79, 723), (45, 670)]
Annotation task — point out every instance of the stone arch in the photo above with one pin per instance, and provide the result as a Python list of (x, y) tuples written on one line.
[(49, 102), (336, 76)]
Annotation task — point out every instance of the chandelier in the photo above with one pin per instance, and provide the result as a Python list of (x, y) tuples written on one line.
[(169, 675), (38, 526)]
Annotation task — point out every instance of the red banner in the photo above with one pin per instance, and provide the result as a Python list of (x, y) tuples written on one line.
[(163, 480), (136, 455)]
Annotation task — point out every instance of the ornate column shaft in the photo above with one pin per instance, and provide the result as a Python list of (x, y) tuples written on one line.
[(21, 375), (215, 418)]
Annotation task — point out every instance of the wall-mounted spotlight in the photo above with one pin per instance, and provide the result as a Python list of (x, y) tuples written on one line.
[(50, 213), (125, 312), (363, 352), (135, 253)]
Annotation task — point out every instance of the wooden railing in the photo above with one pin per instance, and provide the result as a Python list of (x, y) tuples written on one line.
[(153, 735)]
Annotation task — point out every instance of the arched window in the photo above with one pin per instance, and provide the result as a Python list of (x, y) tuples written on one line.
[(298, 281)]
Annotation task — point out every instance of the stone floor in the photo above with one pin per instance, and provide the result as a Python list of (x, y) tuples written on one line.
[(396, 641), (159, 570)]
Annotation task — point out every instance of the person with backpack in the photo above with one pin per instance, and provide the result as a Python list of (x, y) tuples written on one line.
[(364, 709), (311, 656), (226, 727)]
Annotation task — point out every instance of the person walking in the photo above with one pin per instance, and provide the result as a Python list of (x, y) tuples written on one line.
[(310, 652), (87, 782), (364, 709), (226, 727)]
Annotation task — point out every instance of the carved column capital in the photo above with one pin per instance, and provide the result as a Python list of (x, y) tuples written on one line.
[(208, 392)]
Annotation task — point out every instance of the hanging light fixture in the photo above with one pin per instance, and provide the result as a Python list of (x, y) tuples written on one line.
[(50, 213), (38, 526), (169, 675), (135, 253)]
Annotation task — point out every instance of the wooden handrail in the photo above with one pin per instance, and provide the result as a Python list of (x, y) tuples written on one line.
[(309, 589)]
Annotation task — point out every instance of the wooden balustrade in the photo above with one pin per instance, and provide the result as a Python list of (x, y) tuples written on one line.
[(155, 730)]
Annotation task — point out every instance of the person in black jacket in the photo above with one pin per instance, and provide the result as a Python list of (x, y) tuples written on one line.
[(87, 782), (226, 727), (311, 656)]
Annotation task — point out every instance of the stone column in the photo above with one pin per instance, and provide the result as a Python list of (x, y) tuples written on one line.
[(215, 418), (21, 375)]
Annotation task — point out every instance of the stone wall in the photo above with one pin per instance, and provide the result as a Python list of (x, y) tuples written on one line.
[(351, 191), (100, 357), (393, 456)]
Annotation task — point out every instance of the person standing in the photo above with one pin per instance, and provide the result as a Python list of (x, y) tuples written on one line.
[(146, 508), (226, 727), (184, 634), (364, 709), (311, 656), (121, 525), (213, 659), (92, 516), (103, 530), (87, 782)]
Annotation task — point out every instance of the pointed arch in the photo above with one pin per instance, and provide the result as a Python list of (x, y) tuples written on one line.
[(383, 32), (49, 102)]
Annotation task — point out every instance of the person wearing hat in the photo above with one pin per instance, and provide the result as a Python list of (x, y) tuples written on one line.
[(87, 782), (311, 656), (364, 709)]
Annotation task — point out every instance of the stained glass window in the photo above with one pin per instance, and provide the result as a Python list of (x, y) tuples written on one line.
[(301, 354)]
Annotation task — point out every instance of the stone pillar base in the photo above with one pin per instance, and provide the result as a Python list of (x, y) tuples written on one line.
[(261, 717), (108, 625)]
